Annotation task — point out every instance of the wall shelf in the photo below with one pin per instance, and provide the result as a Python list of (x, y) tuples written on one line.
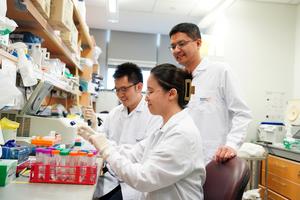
[(31, 20), (86, 41), (8, 56), (60, 84)]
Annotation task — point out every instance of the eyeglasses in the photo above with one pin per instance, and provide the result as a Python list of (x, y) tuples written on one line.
[(179, 44), (123, 89)]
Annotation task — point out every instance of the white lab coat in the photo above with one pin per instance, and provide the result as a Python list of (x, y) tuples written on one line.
[(217, 107), (167, 165), (123, 128)]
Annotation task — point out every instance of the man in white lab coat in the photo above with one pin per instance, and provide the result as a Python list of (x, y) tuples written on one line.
[(217, 107), (127, 123)]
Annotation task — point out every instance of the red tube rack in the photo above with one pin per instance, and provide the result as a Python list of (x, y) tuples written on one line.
[(85, 175)]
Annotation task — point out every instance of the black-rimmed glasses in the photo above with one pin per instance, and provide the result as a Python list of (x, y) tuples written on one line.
[(123, 89), (179, 44)]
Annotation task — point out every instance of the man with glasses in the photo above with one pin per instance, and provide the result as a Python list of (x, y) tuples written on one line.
[(127, 123), (217, 108)]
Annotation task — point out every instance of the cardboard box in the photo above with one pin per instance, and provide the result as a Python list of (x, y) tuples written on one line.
[(43, 7), (61, 15), (70, 38), (7, 171)]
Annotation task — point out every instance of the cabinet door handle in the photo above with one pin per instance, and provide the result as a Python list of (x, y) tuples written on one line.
[(278, 182), (298, 173)]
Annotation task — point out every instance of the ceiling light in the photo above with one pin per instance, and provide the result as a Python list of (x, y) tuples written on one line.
[(112, 6), (112, 10)]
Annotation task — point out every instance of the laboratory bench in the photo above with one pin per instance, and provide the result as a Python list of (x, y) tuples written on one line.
[(279, 150), (283, 174), (21, 189)]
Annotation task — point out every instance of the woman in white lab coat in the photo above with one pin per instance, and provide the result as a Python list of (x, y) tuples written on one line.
[(167, 165)]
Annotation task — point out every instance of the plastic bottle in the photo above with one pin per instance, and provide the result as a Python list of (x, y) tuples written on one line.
[(25, 66)]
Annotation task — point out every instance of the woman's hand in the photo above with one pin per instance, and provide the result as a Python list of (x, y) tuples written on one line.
[(85, 132), (97, 139)]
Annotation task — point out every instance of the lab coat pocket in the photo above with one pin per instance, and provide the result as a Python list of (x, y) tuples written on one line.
[(140, 136), (205, 101), (139, 139)]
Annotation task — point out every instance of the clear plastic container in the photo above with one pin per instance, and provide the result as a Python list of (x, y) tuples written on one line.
[(64, 161), (47, 161), (47, 156), (82, 164), (91, 161), (73, 156), (39, 154), (55, 160)]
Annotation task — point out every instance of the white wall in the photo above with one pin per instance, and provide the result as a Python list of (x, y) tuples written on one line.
[(296, 92), (259, 45)]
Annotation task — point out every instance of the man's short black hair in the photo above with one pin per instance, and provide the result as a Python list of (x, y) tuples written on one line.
[(192, 30), (131, 70)]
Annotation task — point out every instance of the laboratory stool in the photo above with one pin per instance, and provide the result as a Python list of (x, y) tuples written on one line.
[(254, 162)]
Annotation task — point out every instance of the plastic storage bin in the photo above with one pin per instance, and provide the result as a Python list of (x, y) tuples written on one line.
[(17, 153)]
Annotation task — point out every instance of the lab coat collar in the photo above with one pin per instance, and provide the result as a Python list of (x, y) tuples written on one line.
[(139, 107), (201, 67), (174, 120)]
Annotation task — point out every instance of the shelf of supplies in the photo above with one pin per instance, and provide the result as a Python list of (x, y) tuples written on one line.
[(7, 55), (86, 40), (63, 85), (31, 20)]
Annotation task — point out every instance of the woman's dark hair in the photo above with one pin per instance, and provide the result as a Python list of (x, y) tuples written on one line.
[(190, 29), (131, 70), (169, 76)]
